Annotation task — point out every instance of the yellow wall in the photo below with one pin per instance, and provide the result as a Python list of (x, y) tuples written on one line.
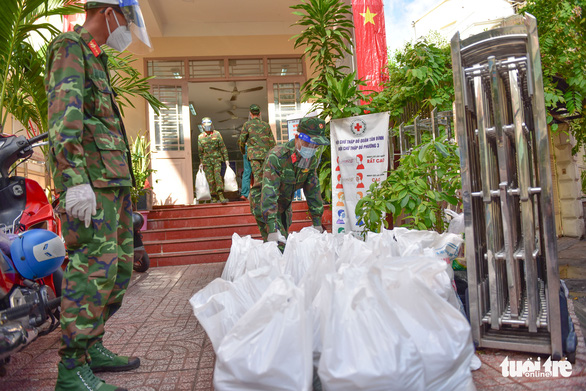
[(135, 120)]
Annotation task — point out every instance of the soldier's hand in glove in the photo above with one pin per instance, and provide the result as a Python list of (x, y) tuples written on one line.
[(80, 202), (276, 237), (319, 228)]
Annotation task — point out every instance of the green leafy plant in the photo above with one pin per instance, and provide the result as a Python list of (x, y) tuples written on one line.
[(420, 77), (327, 38), (562, 41), (425, 183), (127, 81), (141, 167), (22, 66)]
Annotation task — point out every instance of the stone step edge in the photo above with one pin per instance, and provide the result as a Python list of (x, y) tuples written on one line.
[(214, 226), (211, 239), (189, 253)]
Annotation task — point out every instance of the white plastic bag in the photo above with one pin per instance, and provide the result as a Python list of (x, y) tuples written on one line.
[(230, 183), (221, 303), (202, 188), (365, 346), (441, 333), (247, 254), (456, 225), (269, 348)]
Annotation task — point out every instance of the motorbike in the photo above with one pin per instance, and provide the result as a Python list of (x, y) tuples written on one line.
[(141, 258), (31, 253)]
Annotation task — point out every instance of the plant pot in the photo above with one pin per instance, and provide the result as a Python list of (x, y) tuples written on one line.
[(141, 204)]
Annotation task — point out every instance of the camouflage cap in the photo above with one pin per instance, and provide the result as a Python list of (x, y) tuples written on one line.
[(255, 109), (315, 128)]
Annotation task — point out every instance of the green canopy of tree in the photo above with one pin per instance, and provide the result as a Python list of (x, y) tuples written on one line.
[(561, 27), (420, 79)]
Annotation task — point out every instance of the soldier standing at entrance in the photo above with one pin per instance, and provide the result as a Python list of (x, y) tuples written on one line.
[(212, 152), (89, 158), (256, 140), (287, 168)]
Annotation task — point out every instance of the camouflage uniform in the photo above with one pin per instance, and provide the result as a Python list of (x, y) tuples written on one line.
[(281, 178), (88, 145), (256, 140), (212, 152)]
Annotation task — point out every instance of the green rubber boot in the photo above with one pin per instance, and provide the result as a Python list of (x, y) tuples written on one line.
[(81, 378), (103, 360)]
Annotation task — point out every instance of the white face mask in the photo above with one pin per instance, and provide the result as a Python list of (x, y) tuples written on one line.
[(120, 38), (307, 152)]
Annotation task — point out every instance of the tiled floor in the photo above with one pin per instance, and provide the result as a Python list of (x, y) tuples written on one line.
[(157, 324)]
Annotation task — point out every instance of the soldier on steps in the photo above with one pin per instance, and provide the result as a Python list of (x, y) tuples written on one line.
[(212, 151), (287, 168)]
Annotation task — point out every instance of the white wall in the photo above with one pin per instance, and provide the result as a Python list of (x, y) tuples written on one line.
[(467, 16)]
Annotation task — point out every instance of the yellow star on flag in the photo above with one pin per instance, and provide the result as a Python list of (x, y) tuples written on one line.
[(368, 16)]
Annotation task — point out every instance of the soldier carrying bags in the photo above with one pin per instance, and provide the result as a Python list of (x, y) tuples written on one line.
[(256, 140), (212, 152), (287, 168)]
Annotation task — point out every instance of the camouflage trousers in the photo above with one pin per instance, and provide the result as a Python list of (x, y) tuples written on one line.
[(213, 171), (256, 167), (284, 219), (98, 273)]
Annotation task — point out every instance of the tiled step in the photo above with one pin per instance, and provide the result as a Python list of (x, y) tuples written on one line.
[(205, 221), (182, 235), (239, 207), (210, 232), (200, 210), (189, 257), (200, 221), (178, 245)]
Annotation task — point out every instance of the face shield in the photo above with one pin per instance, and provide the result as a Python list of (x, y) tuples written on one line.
[(141, 42), (307, 150), (206, 124)]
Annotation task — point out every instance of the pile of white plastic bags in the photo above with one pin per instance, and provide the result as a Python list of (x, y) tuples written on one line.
[(379, 314)]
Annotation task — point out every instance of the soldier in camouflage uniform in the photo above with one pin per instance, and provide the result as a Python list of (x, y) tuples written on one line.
[(212, 152), (256, 140), (89, 158), (287, 168)]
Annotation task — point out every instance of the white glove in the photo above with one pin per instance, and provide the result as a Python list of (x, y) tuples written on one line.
[(80, 202), (276, 237), (319, 228)]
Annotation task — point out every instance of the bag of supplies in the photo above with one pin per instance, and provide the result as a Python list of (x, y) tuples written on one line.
[(230, 184), (202, 188)]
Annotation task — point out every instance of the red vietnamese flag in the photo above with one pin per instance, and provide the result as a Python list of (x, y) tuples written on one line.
[(69, 21), (370, 42)]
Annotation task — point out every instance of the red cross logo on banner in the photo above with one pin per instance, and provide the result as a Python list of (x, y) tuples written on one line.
[(358, 127)]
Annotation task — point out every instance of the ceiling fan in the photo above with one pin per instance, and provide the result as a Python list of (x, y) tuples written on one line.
[(232, 109), (233, 117), (235, 92)]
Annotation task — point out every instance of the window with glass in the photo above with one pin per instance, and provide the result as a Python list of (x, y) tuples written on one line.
[(245, 67), (169, 133), (287, 102), (162, 69), (200, 69), (285, 66)]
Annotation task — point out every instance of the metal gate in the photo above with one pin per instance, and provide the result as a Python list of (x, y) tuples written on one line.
[(511, 245)]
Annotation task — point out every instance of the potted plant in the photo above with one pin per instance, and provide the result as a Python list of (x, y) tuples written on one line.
[(141, 168)]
